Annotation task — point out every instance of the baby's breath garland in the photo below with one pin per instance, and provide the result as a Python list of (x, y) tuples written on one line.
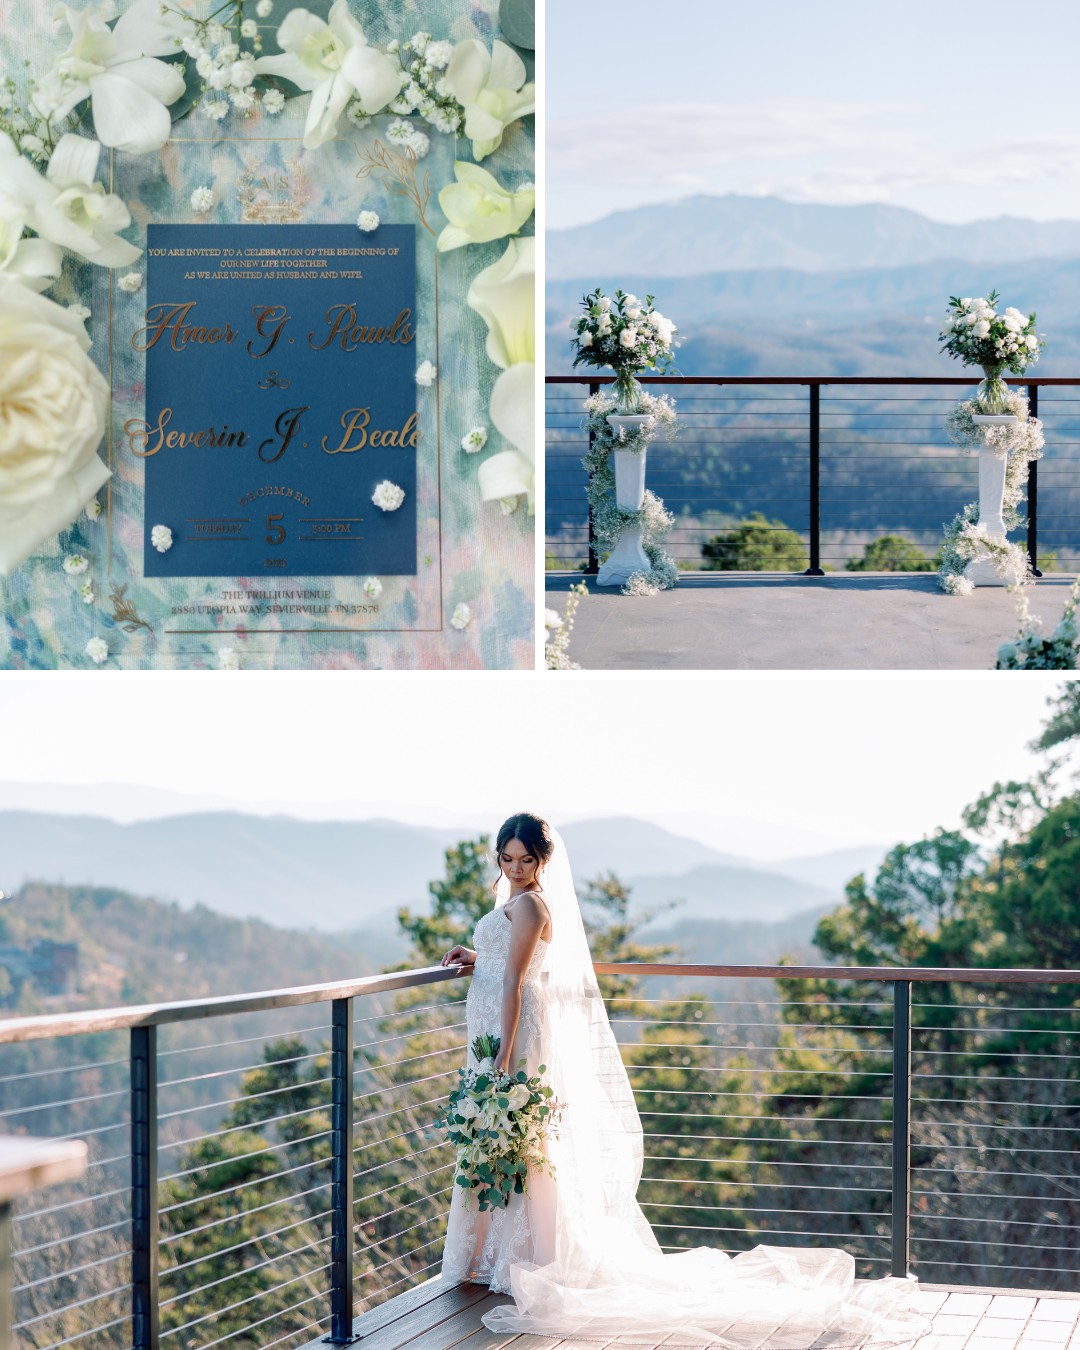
[(965, 538), (610, 519)]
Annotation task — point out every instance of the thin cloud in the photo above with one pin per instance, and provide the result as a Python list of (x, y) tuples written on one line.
[(824, 150)]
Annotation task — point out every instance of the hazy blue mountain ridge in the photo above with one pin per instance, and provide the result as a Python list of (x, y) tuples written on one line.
[(704, 234)]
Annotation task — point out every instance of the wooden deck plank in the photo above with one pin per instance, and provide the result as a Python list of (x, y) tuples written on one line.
[(437, 1316)]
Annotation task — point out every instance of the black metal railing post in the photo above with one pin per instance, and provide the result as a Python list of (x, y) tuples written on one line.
[(594, 557), (815, 570), (1033, 491), (342, 1048), (901, 1128), (144, 1189)]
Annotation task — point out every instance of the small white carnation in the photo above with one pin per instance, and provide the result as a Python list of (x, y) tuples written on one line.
[(216, 34), (130, 282), (86, 592), (474, 440), (273, 101), (215, 108), (425, 374), (388, 496), (367, 221), (263, 8), (97, 649), (75, 564), (242, 99), (205, 64), (372, 588), (192, 46), (93, 509), (228, 658), (241, 73), (418, 143), (461, 616), (249, 28), (161, 538), (202, 200), (79, 311)]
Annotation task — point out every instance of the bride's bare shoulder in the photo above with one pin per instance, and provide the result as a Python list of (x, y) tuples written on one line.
[(530, 904)]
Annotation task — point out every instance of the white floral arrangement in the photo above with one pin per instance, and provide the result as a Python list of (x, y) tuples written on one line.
[(499, 1124), (965, 540), (625, 334), (975, 332), (128, 78), (1030, 650), (557, 630), (609, 519)]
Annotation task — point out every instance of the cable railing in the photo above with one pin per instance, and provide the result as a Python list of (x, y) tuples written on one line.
[(263, 1167), (822, 466)]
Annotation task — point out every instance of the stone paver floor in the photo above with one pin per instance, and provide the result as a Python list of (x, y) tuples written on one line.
[(780, 621)]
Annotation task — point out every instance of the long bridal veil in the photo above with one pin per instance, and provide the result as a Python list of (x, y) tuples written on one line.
[(609, 1277)]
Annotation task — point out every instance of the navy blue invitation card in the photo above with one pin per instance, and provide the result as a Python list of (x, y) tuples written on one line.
[(280, 400)]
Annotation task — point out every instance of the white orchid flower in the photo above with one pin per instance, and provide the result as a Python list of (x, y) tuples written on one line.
[(117, 70), (503, 295), (491, 88), (334, 61), (512, 472), (68, 207), (34, 263), (480, 209)]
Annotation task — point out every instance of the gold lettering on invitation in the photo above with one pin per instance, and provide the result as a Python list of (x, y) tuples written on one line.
[(269, 322), (145, 440), (173, 319), (286, 426), (357, 430), (346, 329)]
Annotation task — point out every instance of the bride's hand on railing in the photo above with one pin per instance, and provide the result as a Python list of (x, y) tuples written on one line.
[(459, 956)]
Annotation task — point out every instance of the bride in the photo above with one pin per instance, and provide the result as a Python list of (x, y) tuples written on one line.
[(576, 1252)]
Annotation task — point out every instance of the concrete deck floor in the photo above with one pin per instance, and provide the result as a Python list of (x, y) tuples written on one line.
[(434, 1316), (782, 621)]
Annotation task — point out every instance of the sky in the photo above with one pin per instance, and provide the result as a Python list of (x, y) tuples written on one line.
[(961, 110), (764, 766)]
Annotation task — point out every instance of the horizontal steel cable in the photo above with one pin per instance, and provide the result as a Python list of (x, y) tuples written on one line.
[(263, 1293), (245, 1270)]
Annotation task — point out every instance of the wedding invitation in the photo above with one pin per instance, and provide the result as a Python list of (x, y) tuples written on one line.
[(280, 392)]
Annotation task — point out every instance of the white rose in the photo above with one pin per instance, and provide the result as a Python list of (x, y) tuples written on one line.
[(981, 329), (468, 1109), (585, 339), (1031, 342), (518, 1095), (52, 418), (552, 618), (627, 337)]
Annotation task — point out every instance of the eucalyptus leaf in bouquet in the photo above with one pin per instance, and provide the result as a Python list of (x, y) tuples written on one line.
[(499, 1123)]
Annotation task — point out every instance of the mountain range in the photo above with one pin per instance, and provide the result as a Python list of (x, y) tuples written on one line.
[(704, 234), (761, 286), (337, 876)]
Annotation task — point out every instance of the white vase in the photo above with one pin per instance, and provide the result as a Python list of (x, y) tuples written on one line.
[(983, 571), (628, 556)]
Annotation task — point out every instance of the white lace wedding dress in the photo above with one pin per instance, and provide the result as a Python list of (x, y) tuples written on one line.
[(576, 1252), (482, 1247)]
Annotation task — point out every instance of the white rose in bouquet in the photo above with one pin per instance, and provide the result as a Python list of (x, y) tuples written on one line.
[(53, 401), (468, 1109), (517, 1096)]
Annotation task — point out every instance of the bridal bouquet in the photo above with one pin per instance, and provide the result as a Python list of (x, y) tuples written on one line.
[(499, 1123), (626, 334), (974, 331)]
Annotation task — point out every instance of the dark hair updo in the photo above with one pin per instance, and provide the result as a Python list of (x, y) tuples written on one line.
[(533, 832)]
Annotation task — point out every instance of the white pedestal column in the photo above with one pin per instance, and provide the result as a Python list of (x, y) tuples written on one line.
[(628, 556), (982, 571)]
